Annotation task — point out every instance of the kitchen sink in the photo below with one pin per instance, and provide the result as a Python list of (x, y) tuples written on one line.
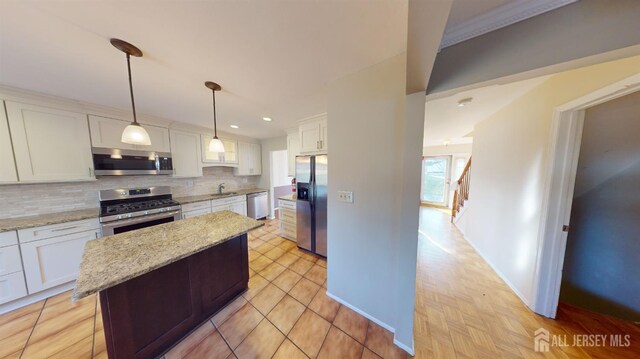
[(223, 194)]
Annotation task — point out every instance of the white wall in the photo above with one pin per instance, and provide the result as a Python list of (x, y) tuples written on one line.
[(510, 159), (372, 243), (268, 145)]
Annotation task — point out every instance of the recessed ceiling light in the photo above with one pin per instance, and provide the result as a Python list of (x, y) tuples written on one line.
[(465, 101), (234, 126), (268, 119)]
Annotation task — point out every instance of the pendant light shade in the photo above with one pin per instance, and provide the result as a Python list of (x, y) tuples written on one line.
[(215, 145), (133, 134)]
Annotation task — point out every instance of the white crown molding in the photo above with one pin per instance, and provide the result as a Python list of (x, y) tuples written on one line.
[(498, 18)]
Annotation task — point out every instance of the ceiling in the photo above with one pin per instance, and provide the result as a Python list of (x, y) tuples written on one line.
[(463, 11), (609, 142), (446, 121), (271, 58)]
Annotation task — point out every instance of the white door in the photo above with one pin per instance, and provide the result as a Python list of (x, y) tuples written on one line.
[(309, 137), (185, 151), (49, 144), (293, 149), (8, 172), (436, 180), (54, 261)]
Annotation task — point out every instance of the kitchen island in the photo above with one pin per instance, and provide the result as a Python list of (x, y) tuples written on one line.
[(157, 284)]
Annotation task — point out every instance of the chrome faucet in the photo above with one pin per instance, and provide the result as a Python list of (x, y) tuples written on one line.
[(220, 188)]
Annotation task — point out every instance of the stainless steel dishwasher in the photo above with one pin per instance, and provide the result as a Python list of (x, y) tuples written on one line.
[(258, 205)]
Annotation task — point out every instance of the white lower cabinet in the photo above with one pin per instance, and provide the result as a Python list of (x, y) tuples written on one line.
[(237, 204), (54, 261), (288, 228), (239, 208), (12, 287), (195, 213)]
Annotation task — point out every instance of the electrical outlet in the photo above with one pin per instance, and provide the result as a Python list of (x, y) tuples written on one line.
[(345, 196), (245, 180), (189, 183)]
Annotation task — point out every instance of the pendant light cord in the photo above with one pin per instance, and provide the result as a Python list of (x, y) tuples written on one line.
[(215, 125), (133, 103)]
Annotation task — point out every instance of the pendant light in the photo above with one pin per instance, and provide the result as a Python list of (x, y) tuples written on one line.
[(215, 145), (133, 134)]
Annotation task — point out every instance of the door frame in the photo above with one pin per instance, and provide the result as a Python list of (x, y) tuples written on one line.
[(566, 138), (447, 189)]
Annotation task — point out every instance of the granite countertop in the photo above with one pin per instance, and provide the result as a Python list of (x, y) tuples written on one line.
[(112, 260), (12, 224), (290, 197), (206, 197)]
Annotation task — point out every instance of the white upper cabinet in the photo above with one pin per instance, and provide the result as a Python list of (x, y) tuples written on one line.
[(185, 152), (293, 149), (107, 133), (8, 172), (313, 135), (250, 159), (229, 157), (50, 144)]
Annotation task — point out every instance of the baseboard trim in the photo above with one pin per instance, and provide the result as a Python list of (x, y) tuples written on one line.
[(36, 297), (364, 314), (407, 348), (499, 273)]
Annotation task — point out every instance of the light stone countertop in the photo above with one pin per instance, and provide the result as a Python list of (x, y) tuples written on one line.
[(206, 197), (112, 260), (290, 197), (12, 224)]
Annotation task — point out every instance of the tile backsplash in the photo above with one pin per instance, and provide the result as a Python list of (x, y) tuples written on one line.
[(31, 199)]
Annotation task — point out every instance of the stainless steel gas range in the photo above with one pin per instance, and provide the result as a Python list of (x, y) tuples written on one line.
[(123, 210)]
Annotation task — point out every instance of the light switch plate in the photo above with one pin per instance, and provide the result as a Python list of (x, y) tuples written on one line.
[(345, 196)]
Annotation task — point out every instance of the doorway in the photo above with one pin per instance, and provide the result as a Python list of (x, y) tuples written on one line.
[(567, 133), (280, 180), (436, 174)]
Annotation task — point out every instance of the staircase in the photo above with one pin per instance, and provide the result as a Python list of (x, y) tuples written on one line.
[(461, 193)]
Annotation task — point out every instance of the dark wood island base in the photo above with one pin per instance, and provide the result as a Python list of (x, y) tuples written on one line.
[(147, 315)]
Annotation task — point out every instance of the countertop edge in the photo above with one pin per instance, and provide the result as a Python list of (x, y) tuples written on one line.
[(79, 295)]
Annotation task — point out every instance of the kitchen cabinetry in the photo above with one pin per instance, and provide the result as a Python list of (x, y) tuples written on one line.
[(313, 135), (229, 157), (12, 284), (195, 209), (107, 133), (185, 152), (53, 257), (49, 144), (8, 172), (293, 149), (237, 204), (287, 216), (250, 159)]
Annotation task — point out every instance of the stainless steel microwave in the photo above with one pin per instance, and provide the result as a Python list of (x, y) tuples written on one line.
[(117, 162)]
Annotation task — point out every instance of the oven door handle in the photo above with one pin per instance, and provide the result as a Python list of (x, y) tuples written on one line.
[(124, 222)]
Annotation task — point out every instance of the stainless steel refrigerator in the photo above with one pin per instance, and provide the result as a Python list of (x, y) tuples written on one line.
[(311, 206)]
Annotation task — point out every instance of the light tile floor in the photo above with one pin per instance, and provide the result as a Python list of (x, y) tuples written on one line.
[(463, 310)]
